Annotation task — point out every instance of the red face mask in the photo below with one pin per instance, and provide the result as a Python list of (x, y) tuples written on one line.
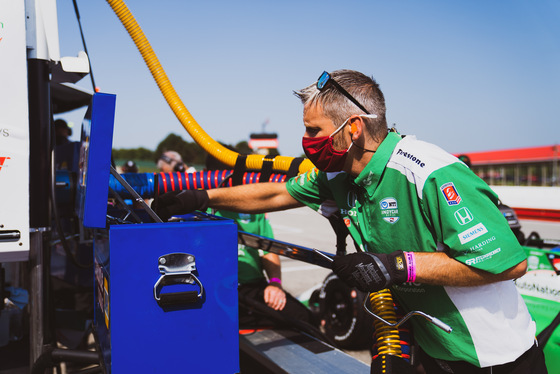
[(320, 151)]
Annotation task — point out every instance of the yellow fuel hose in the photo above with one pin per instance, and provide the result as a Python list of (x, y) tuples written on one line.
[(228, 157)]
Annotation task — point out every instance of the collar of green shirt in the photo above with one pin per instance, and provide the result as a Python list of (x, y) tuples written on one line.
[(369, 177)]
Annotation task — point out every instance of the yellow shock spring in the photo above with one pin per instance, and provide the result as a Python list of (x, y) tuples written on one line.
[(387, 337)]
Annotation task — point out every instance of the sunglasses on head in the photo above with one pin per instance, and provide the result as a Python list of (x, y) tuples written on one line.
[(326, 78)]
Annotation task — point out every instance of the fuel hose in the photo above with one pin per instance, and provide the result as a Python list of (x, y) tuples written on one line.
[(148, 185), (221, 153)]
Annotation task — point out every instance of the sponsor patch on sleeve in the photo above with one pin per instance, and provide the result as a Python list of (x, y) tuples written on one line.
[(472, 233), (451, 195), (463, 216), (479, 259)]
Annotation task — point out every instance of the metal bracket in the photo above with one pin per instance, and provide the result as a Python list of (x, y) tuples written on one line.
[(445, 327), (177, 268), (135, 195)]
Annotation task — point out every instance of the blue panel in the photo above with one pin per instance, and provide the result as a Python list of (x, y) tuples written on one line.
[(95, 161), (144, 337)]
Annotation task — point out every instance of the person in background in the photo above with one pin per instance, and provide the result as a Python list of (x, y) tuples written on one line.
[(66, 152), (466, 159), (427, 227), (171, 161), (252, 267), (129, 167), (61, 132)]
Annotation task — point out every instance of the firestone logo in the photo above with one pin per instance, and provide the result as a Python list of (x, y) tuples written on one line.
[(3, 161), (411, 157)]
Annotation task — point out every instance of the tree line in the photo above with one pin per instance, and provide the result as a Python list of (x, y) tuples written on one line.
[(191, 152)]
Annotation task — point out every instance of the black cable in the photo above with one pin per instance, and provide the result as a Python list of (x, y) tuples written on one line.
[(84, 43), (52, 356), (362, 148), (547, 332)]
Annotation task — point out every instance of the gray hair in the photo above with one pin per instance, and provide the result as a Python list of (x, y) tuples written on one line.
[(338, 108)]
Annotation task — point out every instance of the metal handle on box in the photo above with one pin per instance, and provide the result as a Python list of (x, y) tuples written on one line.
[(177, 268)]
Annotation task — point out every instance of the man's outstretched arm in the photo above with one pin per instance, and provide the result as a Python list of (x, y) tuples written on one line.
[(252, 198)]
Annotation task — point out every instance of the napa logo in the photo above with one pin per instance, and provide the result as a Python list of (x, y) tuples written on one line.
[(389, 209)]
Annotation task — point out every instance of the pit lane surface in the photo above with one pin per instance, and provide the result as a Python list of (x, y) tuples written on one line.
[(305, 227)]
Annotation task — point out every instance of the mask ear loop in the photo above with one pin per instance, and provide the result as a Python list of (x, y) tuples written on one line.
[(353, 129), (338, 130)]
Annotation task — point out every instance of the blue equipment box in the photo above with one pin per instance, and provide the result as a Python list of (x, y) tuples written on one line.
[(165, 293), (135, 332)]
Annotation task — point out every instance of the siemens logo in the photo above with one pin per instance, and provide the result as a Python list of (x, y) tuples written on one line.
[(472, 233), (411, 157)]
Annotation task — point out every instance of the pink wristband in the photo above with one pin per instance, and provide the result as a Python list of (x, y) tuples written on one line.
[(275, 280), (410, 266)]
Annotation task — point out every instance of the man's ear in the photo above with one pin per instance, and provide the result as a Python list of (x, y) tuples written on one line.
[(356, 127)]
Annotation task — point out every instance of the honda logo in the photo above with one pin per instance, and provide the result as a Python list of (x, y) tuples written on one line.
[(463, 216)]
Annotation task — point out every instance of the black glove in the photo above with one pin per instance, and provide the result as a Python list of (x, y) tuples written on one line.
[(370, 272), (180, 202)]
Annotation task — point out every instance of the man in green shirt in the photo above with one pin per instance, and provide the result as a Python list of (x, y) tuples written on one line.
[(429, 228)]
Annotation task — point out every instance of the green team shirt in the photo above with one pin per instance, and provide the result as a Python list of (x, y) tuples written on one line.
[(249, 259), (413, 196)]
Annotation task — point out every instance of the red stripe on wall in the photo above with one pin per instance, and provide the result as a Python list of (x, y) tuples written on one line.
[(538, 214)]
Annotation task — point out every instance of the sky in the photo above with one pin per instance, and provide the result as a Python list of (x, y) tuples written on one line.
[(468, 76)]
